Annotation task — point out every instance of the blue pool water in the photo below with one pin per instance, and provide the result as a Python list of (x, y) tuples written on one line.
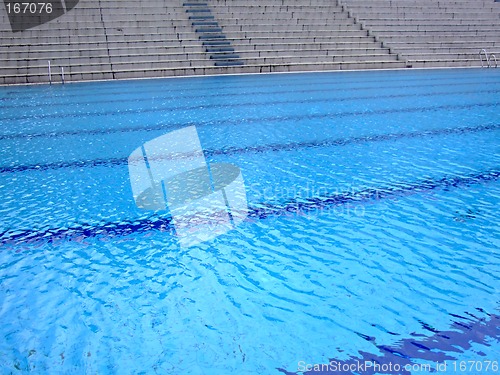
[(371, 232)]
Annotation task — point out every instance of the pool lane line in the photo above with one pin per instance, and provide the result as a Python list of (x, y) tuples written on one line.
[(165, 107), (354, 140), (292, 207), (334, 142), (395, 359), (178, 97), (277, 119), (285, 82), (319, 204)]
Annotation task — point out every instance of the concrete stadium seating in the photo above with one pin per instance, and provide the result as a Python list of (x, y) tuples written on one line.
[(117, 39), (428, 33)]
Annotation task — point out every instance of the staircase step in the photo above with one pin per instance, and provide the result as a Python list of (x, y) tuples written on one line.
[(204, 17), (216, 43), (210, 36), (223, 56), (205, 23), (201, 10), (229, 63), (209, 30), (220, 49)]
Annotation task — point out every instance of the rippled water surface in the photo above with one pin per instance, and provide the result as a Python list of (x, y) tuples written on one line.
[(372, 231)]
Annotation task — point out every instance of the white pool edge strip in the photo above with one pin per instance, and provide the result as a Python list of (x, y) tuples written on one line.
[(249, 74)]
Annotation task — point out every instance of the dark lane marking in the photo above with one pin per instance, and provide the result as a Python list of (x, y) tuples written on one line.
[(440, 347), (178, 97), (166, 108), (292, 207), (265, 148), (277, 119), (112, 162), (355, 140), (115, 88), (316, 204)]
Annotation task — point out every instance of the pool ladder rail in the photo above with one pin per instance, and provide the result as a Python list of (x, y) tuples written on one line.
[(489, 58), (50, 74)]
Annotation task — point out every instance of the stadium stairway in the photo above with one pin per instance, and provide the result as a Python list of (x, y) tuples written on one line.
[(118, 39), (215, 43)]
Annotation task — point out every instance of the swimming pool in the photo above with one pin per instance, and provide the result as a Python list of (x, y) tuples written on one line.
[(371, 230)]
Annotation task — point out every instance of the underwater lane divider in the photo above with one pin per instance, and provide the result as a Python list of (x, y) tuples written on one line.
[(145, 86), (245, 104), (279, 119), (112, 162), (432, 352), (292, 207), (355, 140), (315, 204), (175, 94)]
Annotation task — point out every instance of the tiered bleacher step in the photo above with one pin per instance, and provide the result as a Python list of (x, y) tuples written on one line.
[(207, 28), (104, 39), (428, 33), (114, 39), (294, 35)]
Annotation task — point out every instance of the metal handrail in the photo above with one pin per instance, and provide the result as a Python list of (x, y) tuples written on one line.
[(489, 58), (481, 57), (494, 58), (50, 74)]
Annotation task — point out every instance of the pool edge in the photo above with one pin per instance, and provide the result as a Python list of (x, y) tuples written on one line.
[(247, 74)]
